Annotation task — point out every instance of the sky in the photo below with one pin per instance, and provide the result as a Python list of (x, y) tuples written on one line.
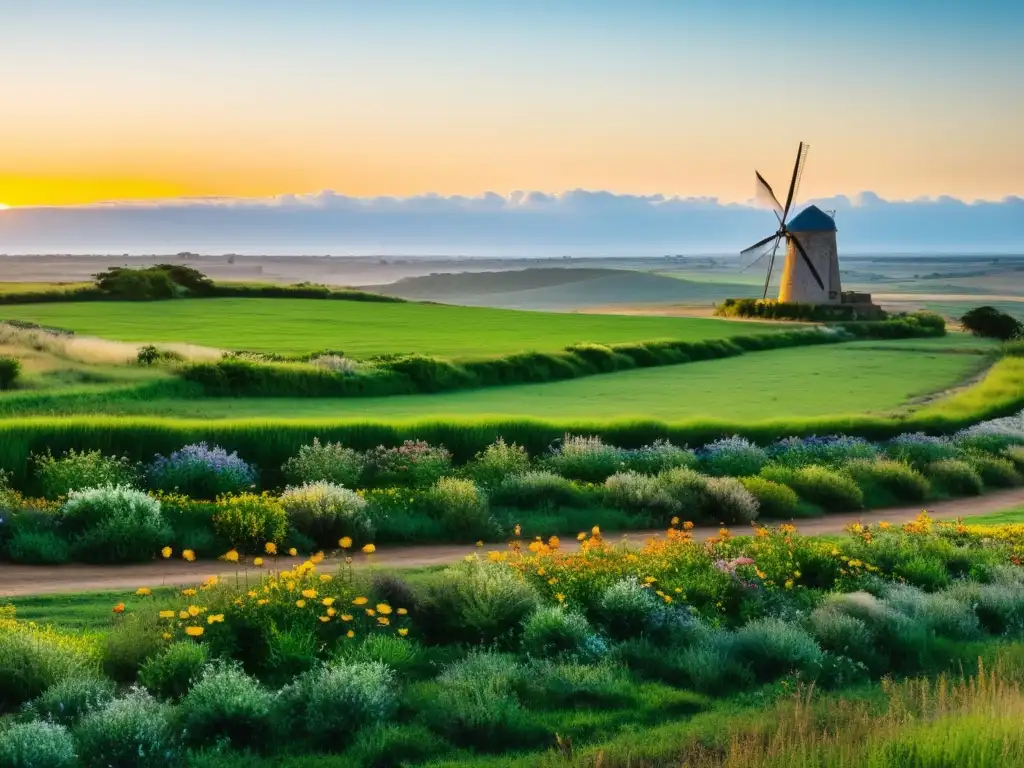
[(120, 100)]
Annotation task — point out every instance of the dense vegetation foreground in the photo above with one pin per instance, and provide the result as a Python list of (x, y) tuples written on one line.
[(746, 650)]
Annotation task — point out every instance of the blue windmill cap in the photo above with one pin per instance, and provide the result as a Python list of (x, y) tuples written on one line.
[(812, 219)]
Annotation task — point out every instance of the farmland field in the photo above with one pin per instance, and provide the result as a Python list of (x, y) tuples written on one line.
[(361, 329)]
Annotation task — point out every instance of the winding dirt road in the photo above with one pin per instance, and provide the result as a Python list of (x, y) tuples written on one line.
[(16, 580)]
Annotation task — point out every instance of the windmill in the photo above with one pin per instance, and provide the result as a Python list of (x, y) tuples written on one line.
[(811, 270)]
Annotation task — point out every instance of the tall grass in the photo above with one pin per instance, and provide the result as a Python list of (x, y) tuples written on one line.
[(90, 349)]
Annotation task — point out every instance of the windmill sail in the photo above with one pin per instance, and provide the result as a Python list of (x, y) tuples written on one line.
[(764, 194)]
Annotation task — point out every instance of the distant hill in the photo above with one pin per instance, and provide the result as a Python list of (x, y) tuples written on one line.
[(561, 289)]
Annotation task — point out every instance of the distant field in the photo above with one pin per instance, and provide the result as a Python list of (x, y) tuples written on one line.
[(859, 377), (38, 287), (361, 329)]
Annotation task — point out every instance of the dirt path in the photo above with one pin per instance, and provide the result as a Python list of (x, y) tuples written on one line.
[(18, 580)]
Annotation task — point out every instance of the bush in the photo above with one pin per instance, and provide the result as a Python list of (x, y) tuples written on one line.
[(539, 490), (461, 507), (130, 732), (994, 472), (633, 492), (325, 512), (390, 588), (955, 477), (134, 639), (37, 745), (249, 520), (587, 459), (843, 635), (496, 462), (727, 500), (992, 323), (938, 612), (626, 609), (732, 457), (325, 463), (76, 471), (113, 524), (1015, 453), (225, 704), (10, 370), (201, 472), (893, 479), (401, 656), (30, 547), (830, 451), (832, 491), (414, 463), (553, 631), (775, 500), (384, 746), (34, 658), (999, 607), (476, 602), (919, 450), (170, 673), (772, 648), (328, 704), (687, 488), (68, 700), (657, 457)]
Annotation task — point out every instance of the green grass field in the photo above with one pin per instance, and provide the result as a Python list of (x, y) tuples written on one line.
[(858, 377), (361, 329)]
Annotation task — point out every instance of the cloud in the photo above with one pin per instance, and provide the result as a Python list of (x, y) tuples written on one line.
[(523, 223)]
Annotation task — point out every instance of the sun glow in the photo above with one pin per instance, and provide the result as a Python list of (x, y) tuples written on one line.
[(4, 206)]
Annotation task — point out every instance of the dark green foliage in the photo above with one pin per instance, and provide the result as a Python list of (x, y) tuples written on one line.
[(36, 547), (37, 745), (584, 458), (324, 462), (884, 481), (553, 631), (150, 355), (773, 648), (131, 732), (71, 698), (539, 490), (129, 645), (776, 501), (78, 470), (170, 673), (392, 745), (32, 660), (227, 705), (992, 323), (995, 472), (955, 477), (144, 284), (10, 369), (832, 491), (497, 462), (113, 524), (768, 309)]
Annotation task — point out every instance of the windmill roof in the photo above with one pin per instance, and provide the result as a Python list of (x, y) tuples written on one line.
[(812, 219)]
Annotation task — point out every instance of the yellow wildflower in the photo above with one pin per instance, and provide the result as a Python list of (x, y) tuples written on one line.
[(309, 593), (182, 614), (346, 617), (370, 612), (383, 608), (596, 531), (369, 549), (166, 635), (189, 555), (252, 593), (166, 552), (292, 551), (383, 620), (215, 618), (188, 592), (328, 601), (479, 543), (166, 614), (559, 597), (194, 631), (143, 591), (194, 610), (403, 632), (675, 521), (324, 619), (687, 526), (300, 603), (360, 601), (350, 634), (401, 611), (231, 556), (345, 542), (332, 611), (270, 548), (325, 577), (581, 536), (517, 531)]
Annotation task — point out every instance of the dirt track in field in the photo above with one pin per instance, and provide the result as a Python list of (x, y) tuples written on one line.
[(16, 580)]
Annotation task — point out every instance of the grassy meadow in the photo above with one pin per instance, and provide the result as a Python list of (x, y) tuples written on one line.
[(361, 329)]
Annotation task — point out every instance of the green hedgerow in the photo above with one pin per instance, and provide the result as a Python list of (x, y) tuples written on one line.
[(476, 602), (249, 520), (830, 490), (554, 631), (329, 703), (37, 744), (170, 673), (637, 493), (325, 463), (1015, 453), (461, 507), (773, 648), (497, 462), (130, 732), (895, 479), (113, 524), (588, 459), (326, 512), (227, 705), (955, 477), (775, 500), (70, 699), (919, 450), (34, 547), (995, 472), (78, 470), (538, 490)]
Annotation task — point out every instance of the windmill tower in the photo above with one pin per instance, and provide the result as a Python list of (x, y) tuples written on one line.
[(811, 271)]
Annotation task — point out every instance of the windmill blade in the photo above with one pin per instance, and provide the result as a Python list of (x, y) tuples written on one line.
[(762, 257), (798, 169), (807, 259), (771, 266), (764, 193), (759, 243)]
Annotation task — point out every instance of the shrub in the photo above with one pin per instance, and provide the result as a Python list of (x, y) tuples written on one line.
[(169, 674), (844, 635), (992, 323), (10, 369), (476, 602), (1015, 453), (955, 477), (324, 463), (894, 479), (553, 631), (31, 547), (732, 457), (225, 704), (994, 472), (919, 450), (775, 500), (249, 520), (34, 658), (832, 491), (37, 745), (687, 488), (392, 589), (657, 457), (461, 507), (999, 607), (538, 490), (332, 701), (772, 648), (633, 492), (201, 472), (728, 501), (134, 639), (830, 451), (414, 463), (899, 643), (76, 471), (128, 732), (941, 613), (395, 744), (68, 700), (325, 512), (497, 462), (627, 609), (583, 458), (113, 524), (402, 656)]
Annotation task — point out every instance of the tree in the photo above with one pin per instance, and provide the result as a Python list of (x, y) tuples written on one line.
[(991, 323)]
